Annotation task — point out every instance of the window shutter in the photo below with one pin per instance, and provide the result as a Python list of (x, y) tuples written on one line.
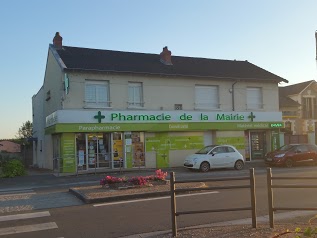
[(254, 98), (206, 97)]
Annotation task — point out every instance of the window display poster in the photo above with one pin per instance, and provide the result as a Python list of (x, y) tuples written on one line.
[(91, 153), (117, 149), (158, 143), (237, 142), (68, 162), (138, 156), (81, 157), (91, 160)]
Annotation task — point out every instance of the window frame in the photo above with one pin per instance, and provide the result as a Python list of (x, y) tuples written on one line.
[(97, 102), (137, 101)]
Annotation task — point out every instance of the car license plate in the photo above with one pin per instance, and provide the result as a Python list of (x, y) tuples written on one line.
[(268, 159)]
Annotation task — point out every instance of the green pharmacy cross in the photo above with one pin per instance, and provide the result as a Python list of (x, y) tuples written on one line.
[(99, 117), (251, 116)]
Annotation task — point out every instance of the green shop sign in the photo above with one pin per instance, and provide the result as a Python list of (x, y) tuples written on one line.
[(155, 127)]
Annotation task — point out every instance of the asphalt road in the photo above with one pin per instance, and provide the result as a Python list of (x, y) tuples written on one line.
[(58, 214)]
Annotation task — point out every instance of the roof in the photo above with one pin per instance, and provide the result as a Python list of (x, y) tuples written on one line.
[(295, 88), (287, 102), (75, 58)]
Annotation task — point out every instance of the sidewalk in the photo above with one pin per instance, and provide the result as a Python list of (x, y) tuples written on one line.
[(285, 225), (38, 178)]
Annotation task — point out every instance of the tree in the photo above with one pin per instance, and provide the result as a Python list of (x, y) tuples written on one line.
[(25, 132)]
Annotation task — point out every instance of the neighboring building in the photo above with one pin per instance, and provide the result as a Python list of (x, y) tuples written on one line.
[(9, 146), (102, 109), (299, 110)]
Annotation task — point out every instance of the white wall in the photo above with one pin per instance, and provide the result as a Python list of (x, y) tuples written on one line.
[(164, 92)]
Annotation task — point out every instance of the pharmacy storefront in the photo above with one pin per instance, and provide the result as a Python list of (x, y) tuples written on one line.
[(106, 139)]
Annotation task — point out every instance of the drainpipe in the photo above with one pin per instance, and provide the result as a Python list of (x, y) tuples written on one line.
[(232, 95)]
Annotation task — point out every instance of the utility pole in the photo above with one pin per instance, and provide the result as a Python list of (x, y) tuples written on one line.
[(316, 43)]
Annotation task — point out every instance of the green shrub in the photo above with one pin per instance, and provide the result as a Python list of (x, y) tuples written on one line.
[(4, 158), (13, 168)]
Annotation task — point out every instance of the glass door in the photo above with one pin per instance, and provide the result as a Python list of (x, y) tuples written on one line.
[(81, 151), (258, 145), (104, 151), (92, 150)]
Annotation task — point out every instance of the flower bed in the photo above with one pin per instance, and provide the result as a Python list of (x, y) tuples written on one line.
[(139, 181)]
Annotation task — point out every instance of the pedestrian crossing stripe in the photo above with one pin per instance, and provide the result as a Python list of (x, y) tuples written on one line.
[(27, 228), (24, 216)]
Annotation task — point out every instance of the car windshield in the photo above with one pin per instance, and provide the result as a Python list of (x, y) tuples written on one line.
[(205, 150), (286, 147)]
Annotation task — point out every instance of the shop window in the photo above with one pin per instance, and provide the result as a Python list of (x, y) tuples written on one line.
[(135, 91), (288, 127), (207, 97), (97, 94), (138, 149), (254, 98)]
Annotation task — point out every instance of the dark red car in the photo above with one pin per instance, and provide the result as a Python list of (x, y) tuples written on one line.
[(289, 155)]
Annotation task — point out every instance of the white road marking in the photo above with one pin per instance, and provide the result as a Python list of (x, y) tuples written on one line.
[(24, 216), (151, 199), (16, 194), (27, 228), (11, 191)]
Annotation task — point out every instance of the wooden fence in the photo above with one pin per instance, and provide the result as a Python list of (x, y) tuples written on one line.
[(270, 187), (174, 191)]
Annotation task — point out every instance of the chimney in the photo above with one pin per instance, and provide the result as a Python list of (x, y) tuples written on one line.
[(166, 56), (58, 41)]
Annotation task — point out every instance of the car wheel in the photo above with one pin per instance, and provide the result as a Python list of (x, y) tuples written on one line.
[(204, 167), (239, 165), (289, 163)]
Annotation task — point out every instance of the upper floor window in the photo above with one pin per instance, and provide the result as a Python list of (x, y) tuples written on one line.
[(309, 108), (207, 97), (97, 94), (254, 98), (135, 94), (289, 113)]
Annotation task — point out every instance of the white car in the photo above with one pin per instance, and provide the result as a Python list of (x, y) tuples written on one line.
[(215, 156)]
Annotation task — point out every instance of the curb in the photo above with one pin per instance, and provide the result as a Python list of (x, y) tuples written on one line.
[(118, 198)]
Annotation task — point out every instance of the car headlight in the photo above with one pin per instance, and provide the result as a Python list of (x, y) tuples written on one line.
[(195, 160), (279, 156)]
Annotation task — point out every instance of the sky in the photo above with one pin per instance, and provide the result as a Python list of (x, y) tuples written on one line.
[(278, 36)]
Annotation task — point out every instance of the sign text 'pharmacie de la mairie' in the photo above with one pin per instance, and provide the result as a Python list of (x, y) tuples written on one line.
[(121, 117)]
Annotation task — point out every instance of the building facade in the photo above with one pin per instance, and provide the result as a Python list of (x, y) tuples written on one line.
[(299, 110), (101, 109)]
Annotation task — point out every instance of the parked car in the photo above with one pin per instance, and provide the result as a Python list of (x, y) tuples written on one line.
[(215, 156), (289, 155)]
